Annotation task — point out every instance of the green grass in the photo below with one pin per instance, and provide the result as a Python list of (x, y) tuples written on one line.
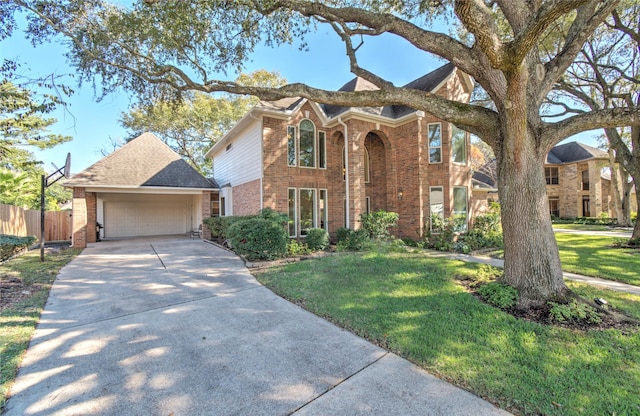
[(18, 323), (411, 304), (588, 227), (592, 256)]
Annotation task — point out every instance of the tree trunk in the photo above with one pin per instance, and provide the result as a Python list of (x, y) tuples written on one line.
[(636, 228), (531, 258), (618, 202), (626, 186)]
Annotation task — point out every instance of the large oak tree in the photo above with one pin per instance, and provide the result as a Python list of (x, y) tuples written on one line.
[(162, 48)]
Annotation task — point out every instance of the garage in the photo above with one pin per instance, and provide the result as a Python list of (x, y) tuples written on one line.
[(142, 189), (126, 215)]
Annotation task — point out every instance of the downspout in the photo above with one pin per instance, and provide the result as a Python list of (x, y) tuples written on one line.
[(346, 172)]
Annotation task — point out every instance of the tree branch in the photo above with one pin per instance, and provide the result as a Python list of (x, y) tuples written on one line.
[(477, 19), (611, 117), (587, 19)]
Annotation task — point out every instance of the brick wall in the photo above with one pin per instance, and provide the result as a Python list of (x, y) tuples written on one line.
[(246, 198), (398, 161), (205, 202), (79, 220), (91, 200)]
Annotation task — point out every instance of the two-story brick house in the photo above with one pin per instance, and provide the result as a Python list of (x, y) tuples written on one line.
[(325, 165), (578, 184)]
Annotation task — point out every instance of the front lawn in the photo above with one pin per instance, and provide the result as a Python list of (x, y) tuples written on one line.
[(591, 255), (589, 227), (24, 287), (412, 305)]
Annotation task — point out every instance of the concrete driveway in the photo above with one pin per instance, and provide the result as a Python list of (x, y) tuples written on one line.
[(179, 327)]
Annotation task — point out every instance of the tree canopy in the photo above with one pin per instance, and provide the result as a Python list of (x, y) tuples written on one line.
[(195, 123), (164, 48)]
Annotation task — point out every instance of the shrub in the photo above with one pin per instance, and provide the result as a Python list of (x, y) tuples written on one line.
[(342, 234), (499, 295), (269, 214), (296, 248), (258, 238), (574, 312), (220, 225), (10, 245), (317, 239), (377, 224), (441, 236), (352, 240)]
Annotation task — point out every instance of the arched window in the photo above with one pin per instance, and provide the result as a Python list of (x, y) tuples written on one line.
[(307, 147)]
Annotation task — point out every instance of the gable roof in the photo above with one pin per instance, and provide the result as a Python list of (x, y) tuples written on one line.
[(428, 83), (573, 152), (145, 161), (392, 114)]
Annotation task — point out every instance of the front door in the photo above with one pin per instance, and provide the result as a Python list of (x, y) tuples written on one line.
[(586, 210)]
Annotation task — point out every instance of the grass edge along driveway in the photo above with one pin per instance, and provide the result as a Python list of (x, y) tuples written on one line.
[(412, 305), (18, 322)]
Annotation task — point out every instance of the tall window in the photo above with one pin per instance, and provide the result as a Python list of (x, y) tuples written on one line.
[(436, 202), (435, 143), (554, 207), (291, 145), (460, 208), (458, 145), (367, 166), (322, 210), (322, 149), (307, 146), (307, 210), (552, 175), (585, 180), (293, 219), (223, 207)]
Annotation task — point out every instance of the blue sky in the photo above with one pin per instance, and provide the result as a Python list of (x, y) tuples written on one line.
[(324, 65)]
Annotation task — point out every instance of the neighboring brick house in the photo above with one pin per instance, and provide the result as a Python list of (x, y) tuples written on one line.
[(289, 155), (577, 183), (142, 189)]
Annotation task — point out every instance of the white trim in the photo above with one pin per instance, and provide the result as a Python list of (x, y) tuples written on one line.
[(295, 212), (123, 189), (314, 206), (325, 217), (324, 149), (429, 144)]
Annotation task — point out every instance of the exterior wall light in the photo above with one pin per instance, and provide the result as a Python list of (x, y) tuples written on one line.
[(400, 194)]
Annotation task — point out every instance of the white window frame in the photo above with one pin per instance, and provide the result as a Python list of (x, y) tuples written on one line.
[(325, 213), (453, 127), (429, 142), (367, 166), (295, 145), (431, 189), (314, 205), (295, 212), (322, 145), (315, 145), (466, 214)]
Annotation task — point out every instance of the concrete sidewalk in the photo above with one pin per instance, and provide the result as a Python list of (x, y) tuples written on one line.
[(180, 327), (607, 284)]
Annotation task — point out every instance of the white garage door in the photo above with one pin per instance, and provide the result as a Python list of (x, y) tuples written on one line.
[(144, 215)]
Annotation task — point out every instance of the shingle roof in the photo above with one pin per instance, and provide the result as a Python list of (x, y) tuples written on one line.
[(573, 152), (425, 83), (144, 161)]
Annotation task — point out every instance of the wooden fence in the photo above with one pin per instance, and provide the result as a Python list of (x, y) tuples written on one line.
[(21, 222)]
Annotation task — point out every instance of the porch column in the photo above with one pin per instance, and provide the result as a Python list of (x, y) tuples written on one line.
[(79, 219)]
